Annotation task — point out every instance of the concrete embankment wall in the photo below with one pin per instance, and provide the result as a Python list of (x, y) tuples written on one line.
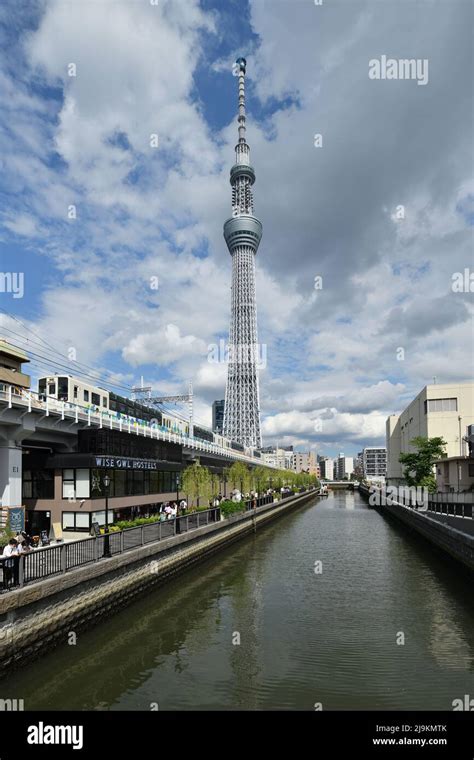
[(41, 615), (457, 544)]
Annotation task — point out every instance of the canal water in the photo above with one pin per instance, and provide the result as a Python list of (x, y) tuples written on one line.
[(320, 602)]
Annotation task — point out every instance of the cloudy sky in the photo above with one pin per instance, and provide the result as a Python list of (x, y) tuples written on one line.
[(382, 211)]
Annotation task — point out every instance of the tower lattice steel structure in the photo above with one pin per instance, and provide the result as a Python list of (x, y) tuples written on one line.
[(242, 234)]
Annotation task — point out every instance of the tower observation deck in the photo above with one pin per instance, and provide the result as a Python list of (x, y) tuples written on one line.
[(242, 232)]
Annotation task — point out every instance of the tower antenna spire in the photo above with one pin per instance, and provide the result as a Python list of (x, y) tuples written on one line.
[(242, 68), (242, 232)]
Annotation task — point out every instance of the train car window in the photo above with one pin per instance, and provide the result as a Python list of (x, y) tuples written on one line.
[(104, 401), (63, 388), (86, 395), (51, 389), (95, 399), (75, 391), (42, 389)]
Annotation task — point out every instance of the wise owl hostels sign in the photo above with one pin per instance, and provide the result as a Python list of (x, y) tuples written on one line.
[(125, 463)]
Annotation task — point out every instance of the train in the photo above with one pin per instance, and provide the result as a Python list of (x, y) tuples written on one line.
[(77, 392)]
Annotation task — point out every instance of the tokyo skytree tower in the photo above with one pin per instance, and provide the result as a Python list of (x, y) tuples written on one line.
[(242, 234)]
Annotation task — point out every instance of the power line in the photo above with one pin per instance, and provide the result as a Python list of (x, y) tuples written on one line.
[(44, 361)]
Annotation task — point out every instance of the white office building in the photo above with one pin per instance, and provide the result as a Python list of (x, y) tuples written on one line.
[(344, 467), (444, 410), (326, 466)]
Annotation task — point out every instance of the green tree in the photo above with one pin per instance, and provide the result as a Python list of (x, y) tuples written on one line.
[(214, 484), (196, 482), (418, 466), (260, 476), (239, 476)]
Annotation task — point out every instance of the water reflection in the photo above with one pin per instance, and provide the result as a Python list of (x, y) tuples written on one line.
[(304, 637)]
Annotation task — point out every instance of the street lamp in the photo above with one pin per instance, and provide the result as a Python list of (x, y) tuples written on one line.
[(106, 527), (177, 504)]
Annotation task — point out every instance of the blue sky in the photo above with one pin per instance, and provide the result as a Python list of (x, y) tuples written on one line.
[(143, 213)]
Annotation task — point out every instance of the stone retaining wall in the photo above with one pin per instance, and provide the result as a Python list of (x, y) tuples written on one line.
[(455, 543)]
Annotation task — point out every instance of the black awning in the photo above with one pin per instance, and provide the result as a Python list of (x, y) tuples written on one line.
[(77, 460)]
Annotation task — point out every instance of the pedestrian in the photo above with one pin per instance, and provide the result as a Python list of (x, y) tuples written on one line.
[(183, 505), (19, 538), (10, 565)]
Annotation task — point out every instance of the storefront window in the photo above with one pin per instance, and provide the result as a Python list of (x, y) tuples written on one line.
[(76, 521), (82, 484), (27, 485), (68, 484), (120, 482), (68, 521), (153, 482), (38, 484), (76, 484), (97, 490), (138, 482)]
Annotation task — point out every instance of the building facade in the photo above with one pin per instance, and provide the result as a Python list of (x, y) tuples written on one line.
[(344, 467), (374, 462), (218, 416), (326, 465), (455, 475), (68, 463), (281, 458), (304, 462), (444, 410)]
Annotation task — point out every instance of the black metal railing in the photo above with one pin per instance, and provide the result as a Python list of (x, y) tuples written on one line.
[(38, 564), (254, 503), (448, 504)]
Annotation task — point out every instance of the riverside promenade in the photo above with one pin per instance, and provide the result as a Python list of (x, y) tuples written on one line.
[(47, 610)]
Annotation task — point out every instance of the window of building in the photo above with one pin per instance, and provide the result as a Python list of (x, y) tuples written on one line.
[(38, 484), (120, 482), (441, 405), (76, 521), (76, 484), (68, 484), (97, 486), (82, 484), (471, 470)]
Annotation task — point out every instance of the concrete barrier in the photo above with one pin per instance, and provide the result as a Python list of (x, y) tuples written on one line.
[(458, 544)]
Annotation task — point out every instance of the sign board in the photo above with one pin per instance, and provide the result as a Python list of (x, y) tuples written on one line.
[(17, 519), (58, 531), (125, 463), (45, 538), (95, 530)]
